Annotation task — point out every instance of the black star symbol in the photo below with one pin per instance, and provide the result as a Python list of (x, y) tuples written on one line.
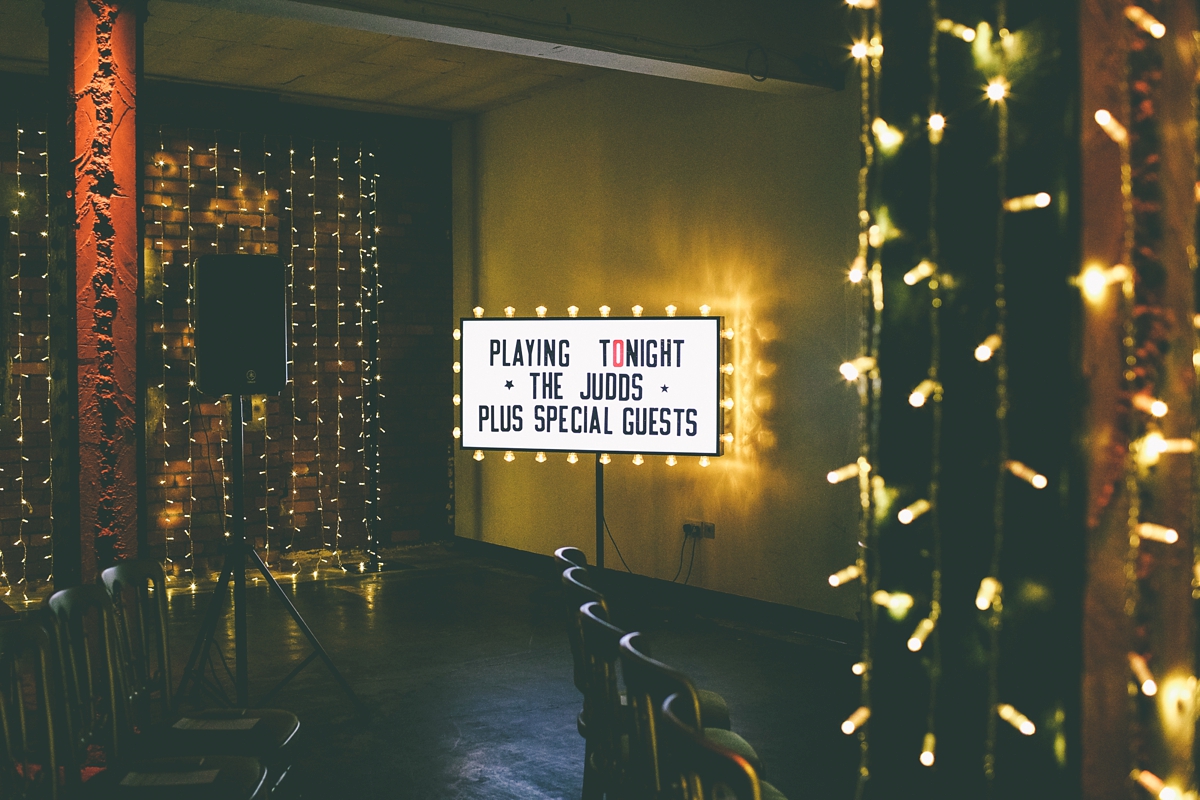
[(664, 388), (508, 384)]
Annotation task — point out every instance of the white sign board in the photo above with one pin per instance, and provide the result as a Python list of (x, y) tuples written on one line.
[(627, 385)]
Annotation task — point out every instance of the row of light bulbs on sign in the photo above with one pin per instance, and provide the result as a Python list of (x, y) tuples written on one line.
[(605, 311)]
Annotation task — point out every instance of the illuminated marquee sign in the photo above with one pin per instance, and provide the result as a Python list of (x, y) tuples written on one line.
[(640, 385)]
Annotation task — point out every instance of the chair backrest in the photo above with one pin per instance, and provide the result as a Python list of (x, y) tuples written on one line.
[(694, 767), (30, 709), (138, 590), (576, 592), (648, 683), (570, 557), (93, 684), (606, 720)]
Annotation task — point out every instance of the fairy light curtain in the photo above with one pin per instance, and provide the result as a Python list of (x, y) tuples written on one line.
[(308, 450)]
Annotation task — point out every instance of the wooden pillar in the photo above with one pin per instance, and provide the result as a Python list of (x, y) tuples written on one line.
[(95, 241), (1117, 733)]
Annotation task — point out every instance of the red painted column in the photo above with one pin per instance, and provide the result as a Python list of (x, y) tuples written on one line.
[(107, 242)]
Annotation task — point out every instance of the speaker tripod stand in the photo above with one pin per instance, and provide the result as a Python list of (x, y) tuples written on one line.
[(237, 552)]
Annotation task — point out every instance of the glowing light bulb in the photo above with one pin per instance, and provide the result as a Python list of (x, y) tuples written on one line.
[(572, 311), (1115, 130), (1149, 405), (1094, 281), (637, 311), (457, 367), (912, 511), (845, 575), (920, 272), (1141, 671), (705, 310), (1149, 781), (924, 390), (727, 333), (997, 89), (989, 590), (457, 334), (955, 29), (937, 127), (847, 472), (477, 455), (859, 50), (1157, 533), (893, 601), (856, 720), (540, 457), (1144, 20), (987, 348), (858, 270), (509, 311), (861, 3), (1027, 202), (456, 433), (672, 461), (671, 309), (540, 311), (1016, 719), (477, 311), (727, 403), (457, 399), (858, 668), (572, 458), (924, 628), (851, 370), (704, 462), (928, 747), (638, 460), (1027, 474), (605, 458), (888, 137), (727, 369), (604, 311), (509, 456)]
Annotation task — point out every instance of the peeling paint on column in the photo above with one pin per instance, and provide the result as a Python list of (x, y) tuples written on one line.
[(106, 277)]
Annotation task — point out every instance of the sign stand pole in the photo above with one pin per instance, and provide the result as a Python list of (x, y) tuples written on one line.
[(599, 513)]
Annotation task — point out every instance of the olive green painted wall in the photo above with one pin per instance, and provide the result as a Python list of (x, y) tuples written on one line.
[(626, 190)]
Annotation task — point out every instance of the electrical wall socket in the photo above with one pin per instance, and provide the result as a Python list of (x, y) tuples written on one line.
[(697, 528)]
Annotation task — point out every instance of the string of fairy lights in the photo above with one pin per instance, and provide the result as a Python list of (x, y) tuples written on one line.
[(338, 449), (160, 248), (18, 374), (266, 427), (48, 538), (190, 403), (316, 375)]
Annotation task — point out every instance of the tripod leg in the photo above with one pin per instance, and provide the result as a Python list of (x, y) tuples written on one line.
[(207, 629), (312, 637)]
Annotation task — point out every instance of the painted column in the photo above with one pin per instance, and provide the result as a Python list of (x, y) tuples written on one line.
[(102, 195)]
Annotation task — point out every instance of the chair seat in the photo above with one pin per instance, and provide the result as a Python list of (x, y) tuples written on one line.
[(769, 792), (261, 733), (714, 712), (215, 777), (734, 743)]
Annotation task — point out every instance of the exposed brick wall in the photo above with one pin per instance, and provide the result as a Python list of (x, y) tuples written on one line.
[(294, 490)]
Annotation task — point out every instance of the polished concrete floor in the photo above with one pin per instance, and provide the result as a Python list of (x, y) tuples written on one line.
[(463, 662)]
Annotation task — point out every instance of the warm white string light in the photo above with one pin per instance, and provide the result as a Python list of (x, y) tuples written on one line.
[(376, 293), (19, 359), (223, 488), (160, 246), (1145, 20), (316, 381), (364, 371), (49, 482), (293, 238), (190, 402), (339, 449), (266, 462)]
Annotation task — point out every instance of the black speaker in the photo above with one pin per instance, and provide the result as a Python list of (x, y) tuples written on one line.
[(241, 324)]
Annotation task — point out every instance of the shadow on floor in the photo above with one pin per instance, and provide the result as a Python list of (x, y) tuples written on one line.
[(464, 664)]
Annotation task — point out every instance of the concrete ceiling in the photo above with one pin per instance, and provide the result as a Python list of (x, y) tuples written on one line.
[(310, 62)]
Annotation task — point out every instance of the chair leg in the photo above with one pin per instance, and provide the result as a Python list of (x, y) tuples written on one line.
[(593, 788)]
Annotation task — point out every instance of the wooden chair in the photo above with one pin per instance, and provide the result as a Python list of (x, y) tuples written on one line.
[(139, 599), (648, 683), (39, 749), (570, 557), (608, 716), (696, 768)]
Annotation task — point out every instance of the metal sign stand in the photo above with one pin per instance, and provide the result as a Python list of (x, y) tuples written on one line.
[(599, 513)]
